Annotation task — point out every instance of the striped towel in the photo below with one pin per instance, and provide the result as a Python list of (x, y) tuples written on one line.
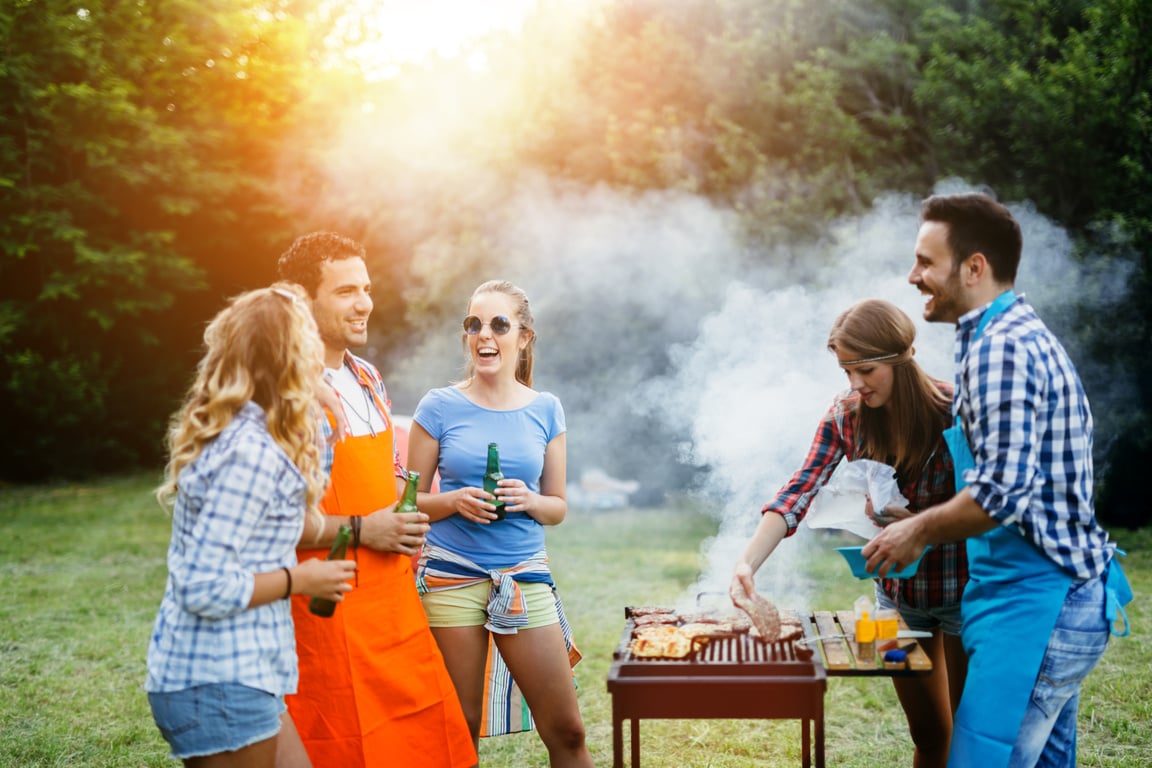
[(505, 710)]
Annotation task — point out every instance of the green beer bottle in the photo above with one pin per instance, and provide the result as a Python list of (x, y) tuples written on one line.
[(319, 605), (408, 503), (492, 476)]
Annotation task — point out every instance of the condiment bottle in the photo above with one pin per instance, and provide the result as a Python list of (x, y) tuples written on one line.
[(887, 626), (865, 636)]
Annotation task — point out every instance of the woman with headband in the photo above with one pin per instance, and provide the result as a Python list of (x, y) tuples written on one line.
[(892, 413)]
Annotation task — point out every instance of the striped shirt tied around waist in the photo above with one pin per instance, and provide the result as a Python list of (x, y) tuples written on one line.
[(441, 569)]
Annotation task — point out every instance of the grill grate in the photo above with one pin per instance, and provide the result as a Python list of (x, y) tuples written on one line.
[(738, 648)]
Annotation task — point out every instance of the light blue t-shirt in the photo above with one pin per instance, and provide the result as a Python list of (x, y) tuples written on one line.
[(464, 430)]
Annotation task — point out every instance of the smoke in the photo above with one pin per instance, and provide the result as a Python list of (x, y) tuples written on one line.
[(691, 362), (689, 355)]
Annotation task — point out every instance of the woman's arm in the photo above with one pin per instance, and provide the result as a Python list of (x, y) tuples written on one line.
[(792, 500), (313, 577), (769, 533)]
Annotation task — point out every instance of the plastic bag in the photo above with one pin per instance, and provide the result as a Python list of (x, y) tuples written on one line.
[(840, 503)]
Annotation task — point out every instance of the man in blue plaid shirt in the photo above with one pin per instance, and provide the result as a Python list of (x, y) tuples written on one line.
[(1035, 606)]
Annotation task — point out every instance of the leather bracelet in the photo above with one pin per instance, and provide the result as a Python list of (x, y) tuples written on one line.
[(288, 573), (356, 521)]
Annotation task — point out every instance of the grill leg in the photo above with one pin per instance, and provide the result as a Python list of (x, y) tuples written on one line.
[(806, 742), (820, 736), (635, 735), (617, 735)]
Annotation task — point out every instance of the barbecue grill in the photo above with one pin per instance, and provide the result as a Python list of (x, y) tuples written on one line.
[(740, 676)]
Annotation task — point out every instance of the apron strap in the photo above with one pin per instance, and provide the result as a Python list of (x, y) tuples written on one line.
[(1118, 593)]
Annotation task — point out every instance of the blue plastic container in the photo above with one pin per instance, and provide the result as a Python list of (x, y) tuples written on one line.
[(857, 561)]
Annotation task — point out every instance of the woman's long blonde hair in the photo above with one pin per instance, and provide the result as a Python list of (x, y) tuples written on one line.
[(906, 431), (262, 347)]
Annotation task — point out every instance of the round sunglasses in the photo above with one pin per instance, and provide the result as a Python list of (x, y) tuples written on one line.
[(500, 325)]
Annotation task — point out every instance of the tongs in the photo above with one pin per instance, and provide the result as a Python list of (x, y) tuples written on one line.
[(903, 634)]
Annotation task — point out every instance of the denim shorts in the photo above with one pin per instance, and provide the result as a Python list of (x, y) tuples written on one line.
[(946, 618), (468, 606), (218, 717)]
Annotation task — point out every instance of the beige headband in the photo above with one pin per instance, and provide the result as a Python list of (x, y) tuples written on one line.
[(906, 355)]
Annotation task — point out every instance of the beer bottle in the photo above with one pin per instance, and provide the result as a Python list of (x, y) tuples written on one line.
[(408, 503), (322, 606), (492, 477)]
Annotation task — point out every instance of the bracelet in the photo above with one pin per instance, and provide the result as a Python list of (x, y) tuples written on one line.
[(356, 521), (288, 573)]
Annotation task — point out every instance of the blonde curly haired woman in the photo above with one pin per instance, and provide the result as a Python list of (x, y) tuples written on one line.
[(244, 473)]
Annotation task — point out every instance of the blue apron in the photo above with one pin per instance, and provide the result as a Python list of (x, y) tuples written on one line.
[(1010, 606)]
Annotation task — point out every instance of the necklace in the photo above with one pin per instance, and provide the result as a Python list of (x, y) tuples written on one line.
[(366, 417)]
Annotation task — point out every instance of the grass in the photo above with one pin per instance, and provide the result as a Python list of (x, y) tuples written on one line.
[(82, 569)]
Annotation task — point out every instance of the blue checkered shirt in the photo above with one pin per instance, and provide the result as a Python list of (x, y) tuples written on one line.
[(1030, 429), (239, 511)]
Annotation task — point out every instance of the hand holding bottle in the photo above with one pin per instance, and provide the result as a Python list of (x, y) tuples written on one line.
[(492, 479), (324, 606), (390, 530), (514, 495), (324, 579)]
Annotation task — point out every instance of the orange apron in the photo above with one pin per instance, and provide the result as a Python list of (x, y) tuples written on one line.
[(373, 687)]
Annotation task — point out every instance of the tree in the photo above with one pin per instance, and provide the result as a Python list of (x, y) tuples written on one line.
[(1052, 102), (122, 162)]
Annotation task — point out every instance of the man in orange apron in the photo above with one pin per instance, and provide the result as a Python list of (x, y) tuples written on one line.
[(373, 687)]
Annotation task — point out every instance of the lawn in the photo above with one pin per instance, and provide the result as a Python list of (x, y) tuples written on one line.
[(82, 569)]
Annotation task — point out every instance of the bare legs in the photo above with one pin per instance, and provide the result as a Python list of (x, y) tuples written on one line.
[(285, 750), (290, 751), (538, 661), (262, 754), (929, 702)]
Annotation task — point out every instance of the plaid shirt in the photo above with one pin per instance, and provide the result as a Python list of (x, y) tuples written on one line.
[(1030, 429), (940, 580), (239, 511)]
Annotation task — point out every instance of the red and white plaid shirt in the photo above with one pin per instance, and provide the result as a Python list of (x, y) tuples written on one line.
[(943, 572)]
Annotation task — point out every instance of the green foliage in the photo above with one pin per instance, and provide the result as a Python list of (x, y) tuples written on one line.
[(156, 157), (134, 136), (733, 100), (1008, 93)]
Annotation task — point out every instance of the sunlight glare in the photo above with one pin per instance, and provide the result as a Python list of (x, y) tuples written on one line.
[(381, 36)]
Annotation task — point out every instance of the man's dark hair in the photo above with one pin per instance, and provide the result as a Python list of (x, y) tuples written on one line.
[(978, 224), (302, 262)]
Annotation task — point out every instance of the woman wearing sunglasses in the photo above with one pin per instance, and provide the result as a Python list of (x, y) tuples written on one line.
[(893, 412), (483, 578)]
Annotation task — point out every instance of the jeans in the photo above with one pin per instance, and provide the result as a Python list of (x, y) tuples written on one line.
[(1048, 734)]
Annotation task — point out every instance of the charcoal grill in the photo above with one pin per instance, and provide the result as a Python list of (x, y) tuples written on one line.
[(740, 677)]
